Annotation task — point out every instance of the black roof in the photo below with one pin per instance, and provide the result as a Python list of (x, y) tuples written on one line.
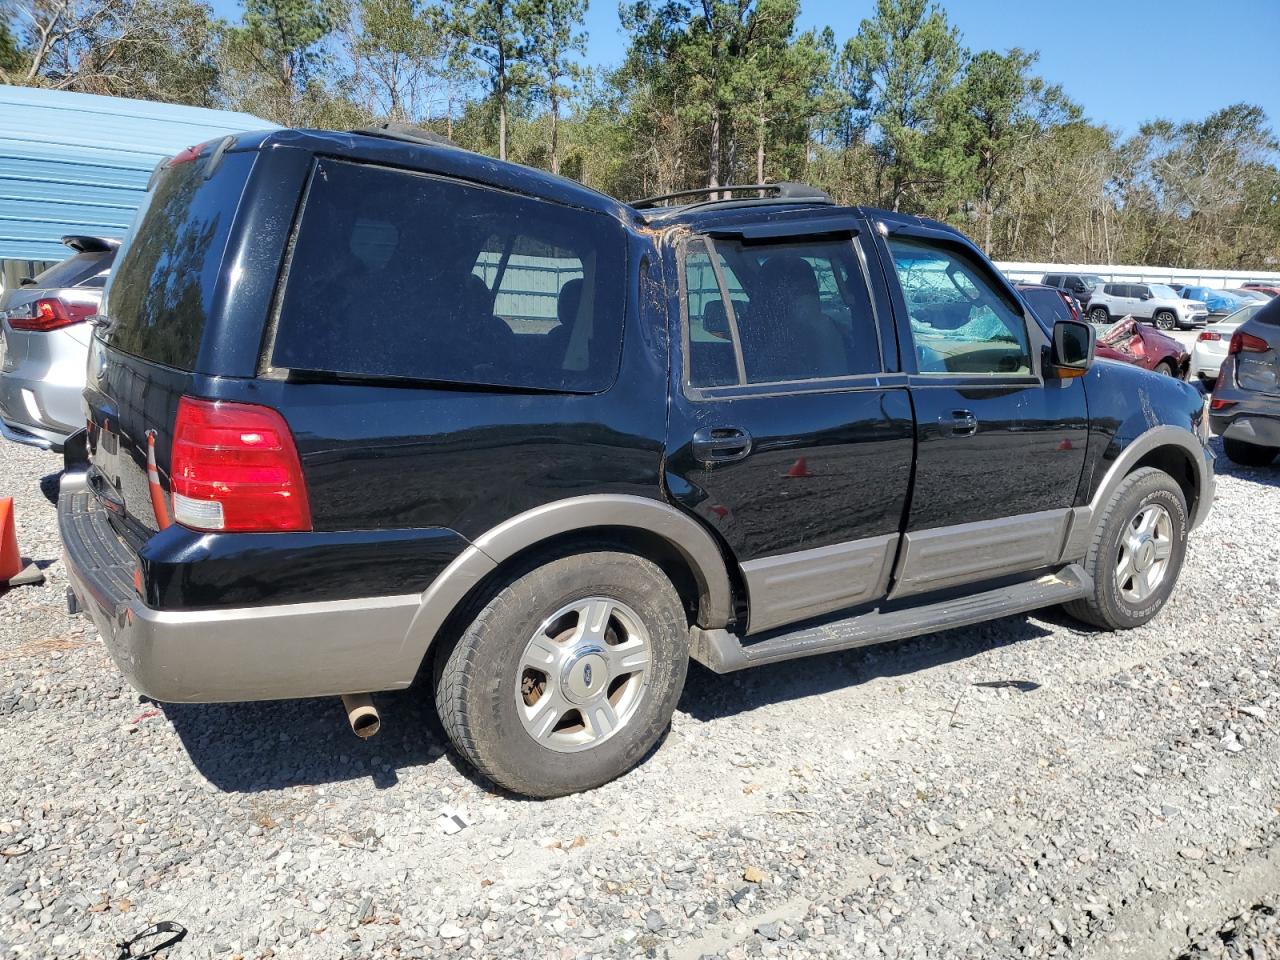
[(443, 158), (440, 158)]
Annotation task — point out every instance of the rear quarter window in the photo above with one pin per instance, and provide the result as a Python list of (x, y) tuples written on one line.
[(407, 275), (167, 271)]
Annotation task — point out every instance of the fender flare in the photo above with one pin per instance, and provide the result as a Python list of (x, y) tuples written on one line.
[(697, 547), (1186, 442)]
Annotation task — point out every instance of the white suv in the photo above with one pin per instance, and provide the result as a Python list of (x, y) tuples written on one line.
[(1146, 301)]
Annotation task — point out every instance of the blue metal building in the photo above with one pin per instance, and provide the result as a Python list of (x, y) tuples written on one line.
[(74, 163)]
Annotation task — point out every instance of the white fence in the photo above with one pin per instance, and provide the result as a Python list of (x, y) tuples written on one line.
[(1219, 279)]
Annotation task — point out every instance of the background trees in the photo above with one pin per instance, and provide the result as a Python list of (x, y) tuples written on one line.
[(709, 92)]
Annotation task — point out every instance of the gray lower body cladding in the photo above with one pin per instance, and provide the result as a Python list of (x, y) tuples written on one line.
[(229, 654)]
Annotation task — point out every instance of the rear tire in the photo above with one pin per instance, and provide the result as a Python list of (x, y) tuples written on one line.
[(1099, 315), (601, 640), (1165, 320), (1248, 454), (1136, 553)]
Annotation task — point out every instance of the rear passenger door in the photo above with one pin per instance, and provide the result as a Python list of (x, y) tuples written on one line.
[(788, 434)]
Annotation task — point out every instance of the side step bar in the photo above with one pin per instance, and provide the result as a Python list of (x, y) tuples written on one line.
[(724, 652)]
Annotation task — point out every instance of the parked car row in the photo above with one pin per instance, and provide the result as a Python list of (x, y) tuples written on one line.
[(1146, 301), (1127, 340), (1165, 305), (739, 441)]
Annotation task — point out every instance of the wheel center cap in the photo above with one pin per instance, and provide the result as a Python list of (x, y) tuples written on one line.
[(1146, 553), (585, 675)]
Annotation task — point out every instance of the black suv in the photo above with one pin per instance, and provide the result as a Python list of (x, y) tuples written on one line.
[(363, 409)]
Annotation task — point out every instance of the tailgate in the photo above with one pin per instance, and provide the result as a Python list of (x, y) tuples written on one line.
[(154, 313)]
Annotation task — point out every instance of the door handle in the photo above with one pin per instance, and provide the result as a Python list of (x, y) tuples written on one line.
[(962, 423), (721, 444)]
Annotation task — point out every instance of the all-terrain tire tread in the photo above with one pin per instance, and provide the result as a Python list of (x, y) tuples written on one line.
[(1088, 609)]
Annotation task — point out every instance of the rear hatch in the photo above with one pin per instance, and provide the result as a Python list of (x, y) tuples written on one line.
[(1258, 360), (145, 352)]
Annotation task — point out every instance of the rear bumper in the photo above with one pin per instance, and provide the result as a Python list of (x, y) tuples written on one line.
[(43, 393), (1262, 430), (235, 653), (1251, 417)]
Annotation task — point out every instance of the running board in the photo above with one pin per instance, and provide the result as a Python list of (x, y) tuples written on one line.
[(724, 652)]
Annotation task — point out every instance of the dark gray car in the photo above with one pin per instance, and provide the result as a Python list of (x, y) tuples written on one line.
[(1245, 410)]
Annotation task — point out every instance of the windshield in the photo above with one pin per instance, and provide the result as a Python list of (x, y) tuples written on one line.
[(1093, 280), (1163, 292)]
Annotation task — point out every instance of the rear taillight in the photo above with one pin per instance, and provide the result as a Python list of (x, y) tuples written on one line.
[(1209, 335), (52, 313), (1242, 342), (235, 468)]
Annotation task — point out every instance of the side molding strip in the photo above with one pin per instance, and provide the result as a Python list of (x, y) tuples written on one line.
[(968, 552), (808, 583)]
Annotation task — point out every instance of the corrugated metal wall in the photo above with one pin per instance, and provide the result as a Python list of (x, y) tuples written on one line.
[(78, 163)]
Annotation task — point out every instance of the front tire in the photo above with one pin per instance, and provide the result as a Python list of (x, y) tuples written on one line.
[(568, 676), (1136, 553), (1165, 369), (1099, 315), (1248, 454), (1165, 320)]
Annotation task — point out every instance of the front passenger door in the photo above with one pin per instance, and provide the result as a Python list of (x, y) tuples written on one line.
[(999, 449)]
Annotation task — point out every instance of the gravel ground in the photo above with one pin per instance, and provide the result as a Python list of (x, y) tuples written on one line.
[(1022, 788)]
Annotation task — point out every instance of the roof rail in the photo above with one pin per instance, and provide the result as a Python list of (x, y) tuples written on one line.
[(783, 191), (408, 133)]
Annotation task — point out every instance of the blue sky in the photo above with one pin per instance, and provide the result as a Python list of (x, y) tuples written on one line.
[(1179, 59)]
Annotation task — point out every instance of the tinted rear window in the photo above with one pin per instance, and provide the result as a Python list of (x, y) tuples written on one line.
[(75, 271), (166, 273), (401, 274)]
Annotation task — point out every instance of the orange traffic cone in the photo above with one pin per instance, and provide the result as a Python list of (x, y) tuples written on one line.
[(13, 573), (798, 469)]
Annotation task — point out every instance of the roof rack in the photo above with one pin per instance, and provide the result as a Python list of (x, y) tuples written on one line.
[(783, 191), (408, 133)]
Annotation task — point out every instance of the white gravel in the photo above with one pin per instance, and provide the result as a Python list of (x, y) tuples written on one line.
[(904, 801)]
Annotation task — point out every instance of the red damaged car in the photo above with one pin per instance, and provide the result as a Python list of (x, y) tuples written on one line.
[(1126, 340)]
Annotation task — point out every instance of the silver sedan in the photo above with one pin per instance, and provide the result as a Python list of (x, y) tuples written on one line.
[(44, 344)]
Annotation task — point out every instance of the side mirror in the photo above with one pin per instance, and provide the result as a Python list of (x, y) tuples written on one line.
[(1145, 296), (1072, 351)]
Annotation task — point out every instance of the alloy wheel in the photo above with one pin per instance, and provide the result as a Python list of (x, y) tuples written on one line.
[(1143, 558), (1164, 321), (1098, 315), (582, 674)]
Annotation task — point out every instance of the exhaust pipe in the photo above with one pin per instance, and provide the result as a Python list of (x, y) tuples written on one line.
[(361, 714)]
